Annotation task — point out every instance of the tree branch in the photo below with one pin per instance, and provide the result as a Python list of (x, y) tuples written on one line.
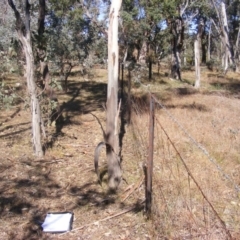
[(20, 27)]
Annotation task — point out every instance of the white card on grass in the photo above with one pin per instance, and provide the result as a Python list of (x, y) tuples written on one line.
[(58, 222)]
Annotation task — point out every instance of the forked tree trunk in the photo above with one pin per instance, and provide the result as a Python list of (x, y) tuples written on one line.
[(24, 35), (112, 138)]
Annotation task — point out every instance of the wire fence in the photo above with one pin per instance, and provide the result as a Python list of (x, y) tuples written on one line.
[(191, 199)]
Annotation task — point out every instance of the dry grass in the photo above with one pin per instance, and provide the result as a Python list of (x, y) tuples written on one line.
[(64, 180), (210, 117)]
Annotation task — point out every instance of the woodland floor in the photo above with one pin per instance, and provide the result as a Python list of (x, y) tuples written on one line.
[(64, 180)]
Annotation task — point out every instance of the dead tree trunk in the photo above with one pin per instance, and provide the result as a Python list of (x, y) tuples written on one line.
[(112, 136), (24, 35)]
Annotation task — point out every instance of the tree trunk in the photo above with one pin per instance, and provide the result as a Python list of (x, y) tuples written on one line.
[(236, 52), (197, 43), (204, 46), (24, 35), (143, 53), (177, 29), (197, 65), (35, 107), (150, 69), (209, 43), (41, 51), (112, 138), (228, 58)]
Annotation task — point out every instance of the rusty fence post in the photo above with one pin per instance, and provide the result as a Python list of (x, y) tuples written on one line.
[(149, 171)]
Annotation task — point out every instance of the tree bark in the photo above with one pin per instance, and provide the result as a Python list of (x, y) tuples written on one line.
[(177, 29), (197, 43), (236, 52), (41, 51), (24, 35), (209, 43), (197, 65), (112, 138), (143, 52), (203, 43), (228, 57)]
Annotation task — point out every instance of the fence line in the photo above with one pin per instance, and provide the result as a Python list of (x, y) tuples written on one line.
[(195, 181), (199, 146)]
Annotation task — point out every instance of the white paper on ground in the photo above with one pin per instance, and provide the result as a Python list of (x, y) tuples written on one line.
[(57, 222)]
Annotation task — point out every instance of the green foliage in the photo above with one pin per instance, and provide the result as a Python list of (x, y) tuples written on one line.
[(7, 96), (8, 65)]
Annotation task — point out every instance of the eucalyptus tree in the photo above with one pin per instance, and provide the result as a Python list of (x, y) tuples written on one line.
[(23, 29), (141, 25), (197, 42), (112, 137), (233, 13), (177, 14), (226, 24), (76, 35)]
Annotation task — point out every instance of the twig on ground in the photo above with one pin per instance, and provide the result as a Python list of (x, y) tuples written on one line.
[(104, 219), (134, 188)]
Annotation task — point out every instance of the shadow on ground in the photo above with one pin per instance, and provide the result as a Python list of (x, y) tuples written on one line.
[(26, 199)]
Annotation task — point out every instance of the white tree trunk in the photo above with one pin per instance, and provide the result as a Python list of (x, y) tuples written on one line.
[(114, 168), (197, 62), (228, 58)]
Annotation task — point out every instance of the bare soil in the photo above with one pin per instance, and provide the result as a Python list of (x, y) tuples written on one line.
[(64, 180)]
